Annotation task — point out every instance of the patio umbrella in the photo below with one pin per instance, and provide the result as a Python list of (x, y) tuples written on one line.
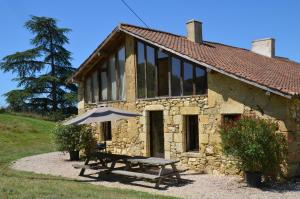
[(101, 114)]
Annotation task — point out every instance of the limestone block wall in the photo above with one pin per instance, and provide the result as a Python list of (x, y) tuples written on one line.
[(293, 127), (227, 95)]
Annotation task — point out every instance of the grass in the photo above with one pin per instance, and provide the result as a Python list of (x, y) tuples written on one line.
[(22, 136)]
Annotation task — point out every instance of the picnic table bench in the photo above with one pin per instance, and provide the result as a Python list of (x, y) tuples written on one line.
[(161, 163)]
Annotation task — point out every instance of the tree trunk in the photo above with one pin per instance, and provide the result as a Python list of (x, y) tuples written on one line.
[(53, 74)]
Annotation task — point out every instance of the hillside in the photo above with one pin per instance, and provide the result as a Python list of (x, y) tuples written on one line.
[(22, 136)]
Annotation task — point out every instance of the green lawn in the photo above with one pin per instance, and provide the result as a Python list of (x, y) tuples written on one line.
[(22, 136)]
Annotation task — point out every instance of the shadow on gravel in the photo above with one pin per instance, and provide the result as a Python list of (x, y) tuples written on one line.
[(281, 187), (166, 183)]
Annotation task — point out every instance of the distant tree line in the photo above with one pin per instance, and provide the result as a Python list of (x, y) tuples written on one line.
[(42, 71)]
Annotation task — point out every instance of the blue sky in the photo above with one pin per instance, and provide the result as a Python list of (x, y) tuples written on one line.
[(230, 22)]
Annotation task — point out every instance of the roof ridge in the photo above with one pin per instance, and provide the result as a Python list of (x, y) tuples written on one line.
[(227, 45), (278, 58), (151, 29)]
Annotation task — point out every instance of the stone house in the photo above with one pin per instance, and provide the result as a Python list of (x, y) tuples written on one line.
[(184, 87)]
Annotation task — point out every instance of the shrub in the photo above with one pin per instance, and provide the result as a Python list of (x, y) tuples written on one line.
[(255, 143), (2, 110), (74, 138)]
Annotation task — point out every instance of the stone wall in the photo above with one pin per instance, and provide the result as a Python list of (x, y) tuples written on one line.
[(227, 95), (293, 127)]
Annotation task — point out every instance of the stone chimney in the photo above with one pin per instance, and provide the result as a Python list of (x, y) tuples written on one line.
[(264, 47), (194, 31)]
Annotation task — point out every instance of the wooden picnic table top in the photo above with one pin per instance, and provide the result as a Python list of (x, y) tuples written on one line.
[(108, 155), (152, 161)]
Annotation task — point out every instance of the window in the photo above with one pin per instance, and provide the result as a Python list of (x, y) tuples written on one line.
[(141, 83), (230, 118), (121, 64), (187, 79), (108, 82), (106, 129), (151, 71), (163, 71), (176, 76), (192, 133), (95, 86), (200, 81), (158, 74), (112, 76), (88, 90), (103, 82)]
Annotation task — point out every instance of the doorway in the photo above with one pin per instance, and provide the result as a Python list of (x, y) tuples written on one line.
[(156, 134)]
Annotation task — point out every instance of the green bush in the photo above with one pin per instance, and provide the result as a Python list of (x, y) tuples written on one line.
[(256, 144), (74, 138)]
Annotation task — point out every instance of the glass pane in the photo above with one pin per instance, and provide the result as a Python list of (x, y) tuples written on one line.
[(201, 81), (175, 83), (121, 57), (141, 70), (187, 79), (150, 72), (89, 89), (95, 87), (163, 69), (103, 76), (85, 91), (112, 72)]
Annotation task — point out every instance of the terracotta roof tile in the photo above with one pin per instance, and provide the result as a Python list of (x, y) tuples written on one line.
[(275, 73)]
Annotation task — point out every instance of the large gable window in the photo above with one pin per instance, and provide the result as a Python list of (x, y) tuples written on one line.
[(108, 81), (161, 74)]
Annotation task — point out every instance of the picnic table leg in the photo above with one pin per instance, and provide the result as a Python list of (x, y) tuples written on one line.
[(127, 165), (83, 169), (112, 166), (142, 167), (176, 172), (160, 176)]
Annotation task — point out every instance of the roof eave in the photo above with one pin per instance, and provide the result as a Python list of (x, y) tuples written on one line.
[(75, 76)]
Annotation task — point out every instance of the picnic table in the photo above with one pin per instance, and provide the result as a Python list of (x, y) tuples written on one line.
[(130, 162)]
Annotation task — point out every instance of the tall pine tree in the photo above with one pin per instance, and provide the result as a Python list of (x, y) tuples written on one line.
[(42, 71)]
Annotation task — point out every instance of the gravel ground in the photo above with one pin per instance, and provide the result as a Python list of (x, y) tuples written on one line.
[(194, 186)]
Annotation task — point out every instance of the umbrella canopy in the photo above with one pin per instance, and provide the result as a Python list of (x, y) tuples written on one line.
[(101, 114)]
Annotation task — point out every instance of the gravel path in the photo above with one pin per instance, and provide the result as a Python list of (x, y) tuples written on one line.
[(194, 185)]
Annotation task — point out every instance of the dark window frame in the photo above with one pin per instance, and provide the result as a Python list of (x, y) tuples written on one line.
[(230, 117)]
